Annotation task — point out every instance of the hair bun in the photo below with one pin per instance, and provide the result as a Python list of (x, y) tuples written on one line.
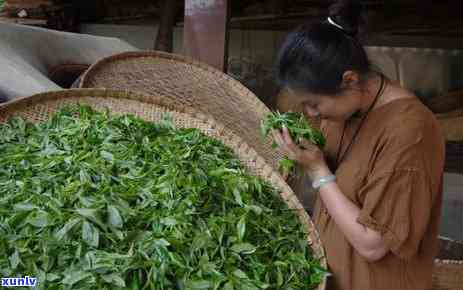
[(346, 13)]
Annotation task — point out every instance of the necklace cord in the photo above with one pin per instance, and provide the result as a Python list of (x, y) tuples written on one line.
[(340, 158)]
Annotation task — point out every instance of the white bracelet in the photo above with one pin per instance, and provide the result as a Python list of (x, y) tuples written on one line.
[(322, 181)]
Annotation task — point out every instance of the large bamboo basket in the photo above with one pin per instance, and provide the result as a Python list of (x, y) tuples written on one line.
[(187, 83), (451, 124), (445, 103), (39, 107), (448, 275)]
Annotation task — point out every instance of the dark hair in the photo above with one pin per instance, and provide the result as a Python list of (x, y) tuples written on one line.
[(314, 57)]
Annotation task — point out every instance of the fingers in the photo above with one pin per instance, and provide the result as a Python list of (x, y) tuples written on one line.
[(286, 136), (306, 153), (308, 145), (278, 138), (290, 148), (282, 143), (289, 141)]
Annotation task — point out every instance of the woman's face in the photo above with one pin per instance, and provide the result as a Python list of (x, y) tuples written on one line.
[(339, 107)]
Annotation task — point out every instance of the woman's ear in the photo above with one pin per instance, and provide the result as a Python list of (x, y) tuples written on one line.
[(350, 80)]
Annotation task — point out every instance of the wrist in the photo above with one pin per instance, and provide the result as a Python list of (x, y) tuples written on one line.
[(319, 173), (323, 181)]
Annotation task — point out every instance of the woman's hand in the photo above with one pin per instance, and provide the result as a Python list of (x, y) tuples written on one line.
[(310, 157)]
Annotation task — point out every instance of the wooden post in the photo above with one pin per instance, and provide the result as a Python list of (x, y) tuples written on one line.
[(165, 37), (205, 35)]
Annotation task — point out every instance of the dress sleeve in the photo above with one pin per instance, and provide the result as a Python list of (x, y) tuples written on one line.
[(398, 204), (397, 196)]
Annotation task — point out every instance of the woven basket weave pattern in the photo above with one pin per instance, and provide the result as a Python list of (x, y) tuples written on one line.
[(448, 275), (40, 107), (187, 83)]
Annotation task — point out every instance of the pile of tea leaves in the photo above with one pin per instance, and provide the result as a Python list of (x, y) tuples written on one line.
[(89, 200)]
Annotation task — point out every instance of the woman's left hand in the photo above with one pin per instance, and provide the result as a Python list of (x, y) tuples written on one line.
[(309, 156)]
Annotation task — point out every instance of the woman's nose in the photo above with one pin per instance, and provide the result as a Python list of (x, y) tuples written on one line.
[(311, 112)]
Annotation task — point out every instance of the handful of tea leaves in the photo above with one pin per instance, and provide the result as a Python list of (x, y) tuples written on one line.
[(94, 201), (299, 129)]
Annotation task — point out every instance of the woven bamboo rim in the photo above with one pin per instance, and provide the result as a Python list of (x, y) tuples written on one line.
[(39, 107), (188, 83), (450, 124), (458, 112), (446, 102), (448, 275)]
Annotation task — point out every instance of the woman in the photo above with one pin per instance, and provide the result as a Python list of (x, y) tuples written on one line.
[(379, 180)]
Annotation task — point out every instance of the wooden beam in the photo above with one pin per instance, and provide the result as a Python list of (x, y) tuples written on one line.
[(206, 31), (24, 21), (278, 6), (416, 41)]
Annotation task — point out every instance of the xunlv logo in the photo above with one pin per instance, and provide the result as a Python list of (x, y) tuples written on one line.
[(19, 282)]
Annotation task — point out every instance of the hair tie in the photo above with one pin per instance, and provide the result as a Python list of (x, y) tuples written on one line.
[(332, 22)]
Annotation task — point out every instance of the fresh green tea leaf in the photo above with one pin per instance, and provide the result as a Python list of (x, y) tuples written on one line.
[(74, 277), (241, 228), (114, 279), (203, 284), (90, 234), (243, 248), (240, 274), (14, 260), (114, 218), (38, 219), (59, 235)]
